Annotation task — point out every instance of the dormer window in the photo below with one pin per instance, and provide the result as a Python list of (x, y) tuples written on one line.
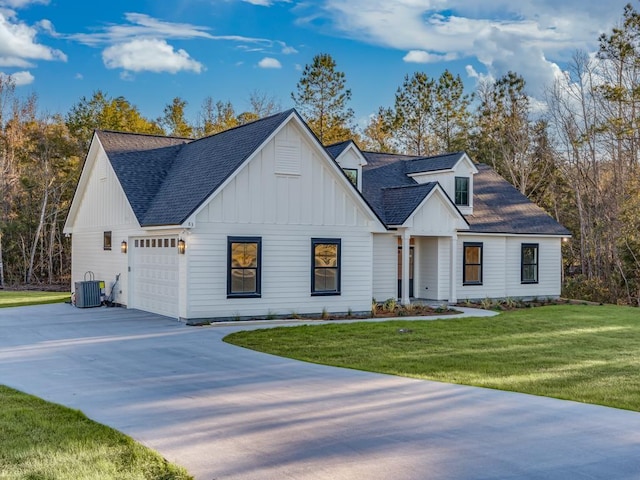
[(352, 174), (462, 191)]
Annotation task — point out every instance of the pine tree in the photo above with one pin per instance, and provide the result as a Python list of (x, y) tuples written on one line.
[(322, 100)]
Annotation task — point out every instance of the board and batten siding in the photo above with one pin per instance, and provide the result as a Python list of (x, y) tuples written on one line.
[(434, 218), (286, 211), (501, 263), (385, 266), (102, 207)]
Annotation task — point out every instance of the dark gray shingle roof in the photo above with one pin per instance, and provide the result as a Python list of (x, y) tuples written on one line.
[(413, 163), (141, 163), (166, 179), (433, 164), (337, 148), (498, 207), (375, 180), (203, 165), (400, 202)]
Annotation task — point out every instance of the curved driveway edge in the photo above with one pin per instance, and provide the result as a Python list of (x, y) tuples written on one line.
[(229, 413)]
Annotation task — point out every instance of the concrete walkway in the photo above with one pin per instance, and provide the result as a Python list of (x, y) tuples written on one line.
[(229, 413)]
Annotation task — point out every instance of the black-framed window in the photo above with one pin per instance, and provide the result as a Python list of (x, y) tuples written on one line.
[(352, 173), (462, 191), (325, 266), (106, 241), (244, 262), (472, 268), (529, 263)]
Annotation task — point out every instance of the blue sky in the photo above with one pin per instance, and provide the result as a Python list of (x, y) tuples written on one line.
[(150, 51)]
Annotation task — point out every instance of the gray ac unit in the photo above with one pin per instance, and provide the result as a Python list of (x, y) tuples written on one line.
[(89, 293)]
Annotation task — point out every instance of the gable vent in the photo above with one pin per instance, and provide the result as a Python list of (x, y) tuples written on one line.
[(287, 157)]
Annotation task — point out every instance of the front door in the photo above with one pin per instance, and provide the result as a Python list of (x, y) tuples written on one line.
[(410, 270)]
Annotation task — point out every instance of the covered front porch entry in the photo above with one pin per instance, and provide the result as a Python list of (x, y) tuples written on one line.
[(426, 268)]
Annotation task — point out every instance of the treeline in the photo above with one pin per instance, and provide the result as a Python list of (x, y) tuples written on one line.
[(575, 154), (40, 161)]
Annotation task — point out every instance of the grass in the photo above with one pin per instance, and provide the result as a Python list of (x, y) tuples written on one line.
[(22, 298), (42, 440), (588, 354)]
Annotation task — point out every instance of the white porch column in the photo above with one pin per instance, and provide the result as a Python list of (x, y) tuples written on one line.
[(406, 247), (453, 269)]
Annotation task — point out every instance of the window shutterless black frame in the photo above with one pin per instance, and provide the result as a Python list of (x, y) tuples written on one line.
[(328, 241), (106, 245), (464, 262), (522, 264), (455, 193), (258, 292), (354, 172)]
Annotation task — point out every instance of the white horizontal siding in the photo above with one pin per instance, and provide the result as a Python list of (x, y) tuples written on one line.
[(286, 273), (501, 268), (103, 207), (549, 268), (286, 212)]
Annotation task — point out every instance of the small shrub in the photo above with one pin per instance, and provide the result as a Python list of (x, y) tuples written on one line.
[(486, 303), (349, 312), (271, 315), (390, 305), (236, 317), (510, 303), (375, 308), (295, 315), (410, 308), (325, 314)]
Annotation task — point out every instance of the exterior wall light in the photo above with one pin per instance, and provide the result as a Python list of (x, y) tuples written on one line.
[(123, 246), (181, 247)]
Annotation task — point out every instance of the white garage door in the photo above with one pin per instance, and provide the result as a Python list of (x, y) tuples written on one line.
[(154, 275)]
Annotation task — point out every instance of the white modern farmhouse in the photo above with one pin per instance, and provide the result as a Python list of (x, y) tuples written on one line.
[(262, 220)]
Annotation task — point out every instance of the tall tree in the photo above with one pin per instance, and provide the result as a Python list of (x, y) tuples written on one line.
[(412, 117), (215, 117), (103, 112), (378, 134), (430, 117), (322, 99), (452, 119), (510, 139), (173, 119)]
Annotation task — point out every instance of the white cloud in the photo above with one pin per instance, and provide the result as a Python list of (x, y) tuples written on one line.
[(287, 50), (153, 55), (531, 38), (20, 3), (265, 3), (18, 44), (19, 78), (142, 26), (420, 56), (269, 62)]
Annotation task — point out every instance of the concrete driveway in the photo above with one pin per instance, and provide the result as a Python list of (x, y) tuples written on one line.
[(229, 413)]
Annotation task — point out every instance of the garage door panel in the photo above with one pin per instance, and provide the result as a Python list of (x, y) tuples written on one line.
[(154, 274)]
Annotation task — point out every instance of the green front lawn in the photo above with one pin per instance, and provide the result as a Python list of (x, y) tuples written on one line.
[(42, 440), (585, 353), (19, 298)]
